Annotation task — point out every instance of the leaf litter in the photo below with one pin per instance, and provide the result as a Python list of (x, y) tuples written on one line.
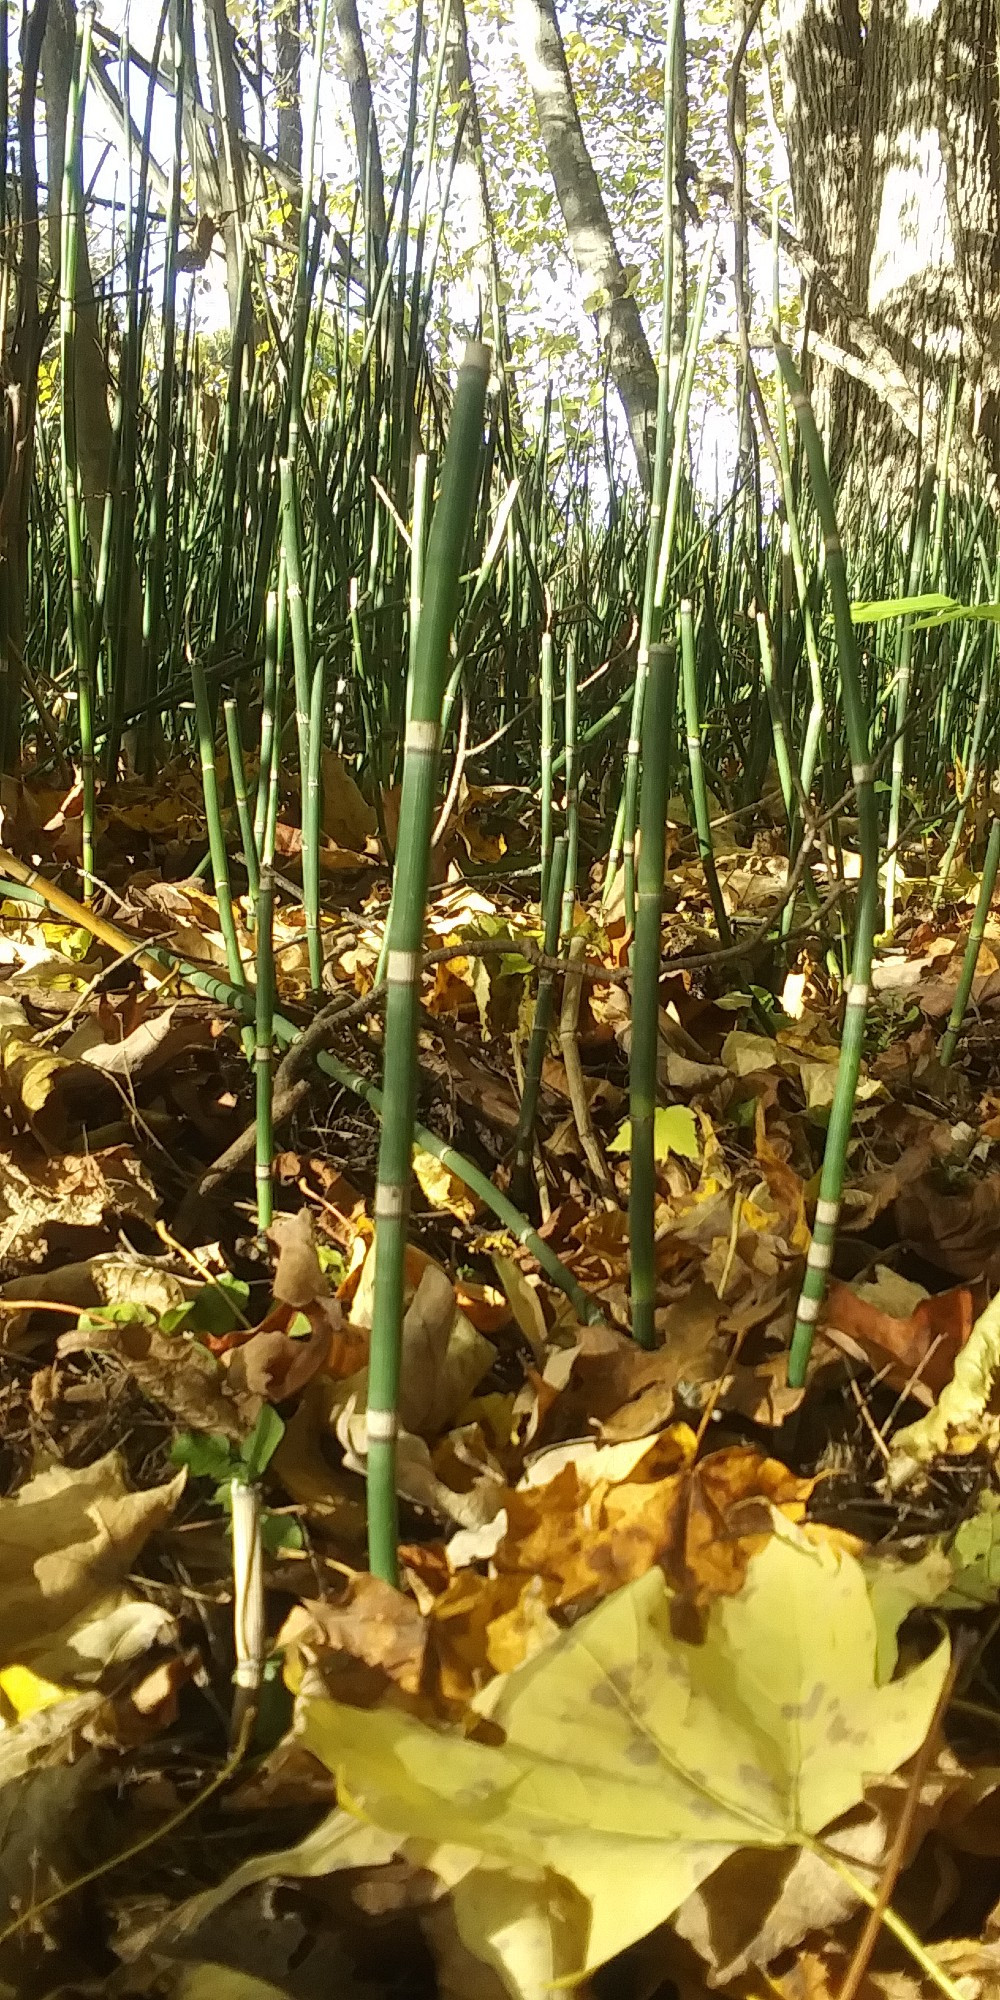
[(657, 1700)]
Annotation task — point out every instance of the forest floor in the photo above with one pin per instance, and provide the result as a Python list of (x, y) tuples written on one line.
[(686, 1667)]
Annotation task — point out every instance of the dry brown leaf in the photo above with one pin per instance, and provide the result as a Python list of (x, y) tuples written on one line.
[(45, 1201), (443, 1360), (298, 1276), (110, 1279), (372, 1624), (174, 1371), (270, 1366), (701, 1522), (348, 819), (156, 1042), (476, 1502), (925, 1340), (68, 1539), (958, 1232), (333, 1498), (478, 1627)]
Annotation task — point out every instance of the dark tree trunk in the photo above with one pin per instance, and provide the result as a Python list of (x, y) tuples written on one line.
[(288, 85)]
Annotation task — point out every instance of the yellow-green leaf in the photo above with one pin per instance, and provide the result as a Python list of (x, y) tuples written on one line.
[(631, 1756), (674, 1131)]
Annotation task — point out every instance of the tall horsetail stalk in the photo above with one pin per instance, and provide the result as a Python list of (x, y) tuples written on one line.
[(664, 558), (699, 791), (312, 827), (904, 661), (237, 772), (856, 1012), (291, 542), (213, 817), (949, 1040), (546, 671), (80, 620), (572, 792), (657, 731), (303, 268), (980, 719), (153, 606), (449, 529), (542, 1020), (270, 720), (623, 838), (264, 1049)]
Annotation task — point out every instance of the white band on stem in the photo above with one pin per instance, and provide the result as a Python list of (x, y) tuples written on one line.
[(402, 968), (421, 736)]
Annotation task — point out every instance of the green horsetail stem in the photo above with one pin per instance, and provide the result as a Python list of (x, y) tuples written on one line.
[(237, 771), (547, 692), (856, 716), (424, 474), (312, 828), (661, 573), (291, 542), (779, 733), (904, 662), (973, 747), (213, 818), (699, 790), (982, 910), (80, 621), (270, 726), (538, 1041), (159, 507), (449, 530), (791, 542), (657, 730), (264, 1050), (572, 793)]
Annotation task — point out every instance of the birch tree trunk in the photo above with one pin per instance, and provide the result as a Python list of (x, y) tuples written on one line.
[(894, 146), (354, 62), (591, 237)]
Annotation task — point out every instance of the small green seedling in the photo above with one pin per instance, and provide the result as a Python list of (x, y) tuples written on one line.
[(209, 1455)]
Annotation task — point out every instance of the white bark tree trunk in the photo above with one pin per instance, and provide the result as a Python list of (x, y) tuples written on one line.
[(591, 237), (894, 147)]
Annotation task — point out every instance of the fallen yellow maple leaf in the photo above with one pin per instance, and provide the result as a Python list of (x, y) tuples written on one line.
[(634, 1762)]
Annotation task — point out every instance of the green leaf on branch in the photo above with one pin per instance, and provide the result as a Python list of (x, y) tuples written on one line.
[(872, 611)]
